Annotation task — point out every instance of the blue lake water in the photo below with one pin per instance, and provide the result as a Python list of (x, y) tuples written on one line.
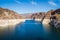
[(31, 30)]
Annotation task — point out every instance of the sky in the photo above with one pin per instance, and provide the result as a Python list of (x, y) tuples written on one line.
[(30, 6)]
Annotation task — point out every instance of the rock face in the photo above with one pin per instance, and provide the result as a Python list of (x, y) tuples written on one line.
[(9, 14), (41, 14), (57, 13), (49, 14), (36, 15)]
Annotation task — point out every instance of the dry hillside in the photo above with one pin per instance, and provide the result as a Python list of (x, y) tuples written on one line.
[(9, 14)]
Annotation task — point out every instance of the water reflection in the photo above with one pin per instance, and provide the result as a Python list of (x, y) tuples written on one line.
[(30, 29)]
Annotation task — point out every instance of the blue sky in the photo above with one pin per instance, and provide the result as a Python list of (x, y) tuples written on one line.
[(30, 6)]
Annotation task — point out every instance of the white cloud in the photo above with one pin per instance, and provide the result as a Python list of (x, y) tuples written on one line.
[(52, 3), (33, 3), (17, 1)]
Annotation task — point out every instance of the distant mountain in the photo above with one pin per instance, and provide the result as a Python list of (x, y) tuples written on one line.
[(36, 15), (9, 14), (27, 15), (41, 14)]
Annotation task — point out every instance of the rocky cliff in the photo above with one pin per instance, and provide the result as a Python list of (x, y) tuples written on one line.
[(9, 14)]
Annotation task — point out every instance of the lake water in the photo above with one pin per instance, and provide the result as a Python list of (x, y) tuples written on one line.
[(30, 30)]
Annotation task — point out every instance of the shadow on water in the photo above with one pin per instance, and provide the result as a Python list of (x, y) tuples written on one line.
[(30, 30), (55, 33)]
